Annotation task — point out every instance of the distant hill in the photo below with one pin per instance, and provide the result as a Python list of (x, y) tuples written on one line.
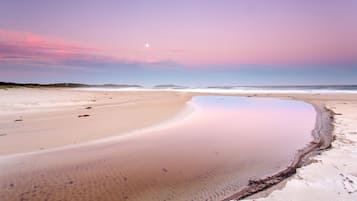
[(64, 85), (169, 86), (220, 87), (118, 86), (32, 85)]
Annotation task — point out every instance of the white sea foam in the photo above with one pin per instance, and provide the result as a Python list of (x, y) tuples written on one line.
[(240, 90)]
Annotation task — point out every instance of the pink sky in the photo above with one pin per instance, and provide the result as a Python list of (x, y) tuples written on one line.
[(192, 34)]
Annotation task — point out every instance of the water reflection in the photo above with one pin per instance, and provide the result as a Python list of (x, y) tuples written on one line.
[(221, 145)]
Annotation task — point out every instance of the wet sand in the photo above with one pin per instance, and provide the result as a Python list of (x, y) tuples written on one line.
[(96, 172)]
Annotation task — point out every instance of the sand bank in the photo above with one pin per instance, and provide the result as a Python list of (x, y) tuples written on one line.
[(39, 119)]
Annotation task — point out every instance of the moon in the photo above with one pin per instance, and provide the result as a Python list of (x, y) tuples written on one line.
[(147, 45)]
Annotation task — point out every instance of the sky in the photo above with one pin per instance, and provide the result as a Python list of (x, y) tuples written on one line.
[(186, 42)]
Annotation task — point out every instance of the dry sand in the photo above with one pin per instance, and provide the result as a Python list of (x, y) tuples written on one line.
[(39, 110)]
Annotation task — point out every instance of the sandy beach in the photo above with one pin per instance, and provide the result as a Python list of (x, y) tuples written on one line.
[(178, 100), (77, 117)]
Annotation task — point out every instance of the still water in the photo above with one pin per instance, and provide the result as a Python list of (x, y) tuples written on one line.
[(226, 141)]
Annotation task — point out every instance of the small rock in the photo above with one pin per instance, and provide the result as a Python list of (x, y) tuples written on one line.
[(83, 115)]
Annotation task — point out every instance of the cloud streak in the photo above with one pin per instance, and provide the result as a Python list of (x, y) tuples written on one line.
[(31, 49)]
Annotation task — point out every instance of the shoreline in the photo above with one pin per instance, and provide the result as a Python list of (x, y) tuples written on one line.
[(322, 135), (13, 179)]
